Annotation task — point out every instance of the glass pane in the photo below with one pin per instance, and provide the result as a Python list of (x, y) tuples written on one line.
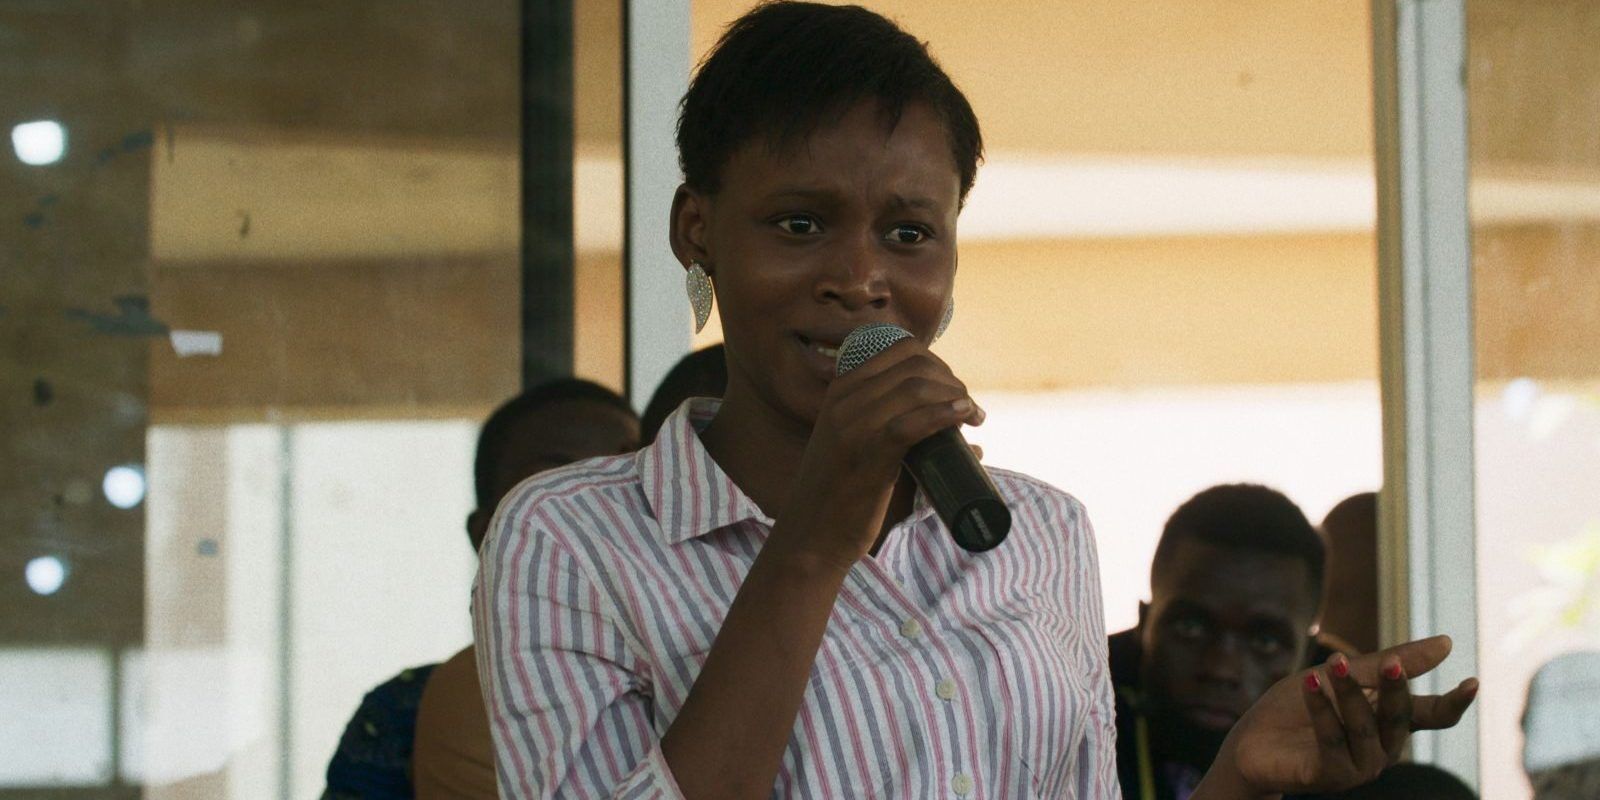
[(260, 280), (1168, 268), (598, 191), (1534, 105)]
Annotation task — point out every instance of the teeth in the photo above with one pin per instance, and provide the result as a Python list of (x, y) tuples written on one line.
[(828, 352)]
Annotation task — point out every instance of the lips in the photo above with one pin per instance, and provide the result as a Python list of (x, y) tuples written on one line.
[(828, 348)]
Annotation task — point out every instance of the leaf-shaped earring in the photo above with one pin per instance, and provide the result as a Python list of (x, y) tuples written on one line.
[(698, 284)]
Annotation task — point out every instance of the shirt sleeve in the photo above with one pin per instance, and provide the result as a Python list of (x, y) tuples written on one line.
[(1097, 751), (566, 699)]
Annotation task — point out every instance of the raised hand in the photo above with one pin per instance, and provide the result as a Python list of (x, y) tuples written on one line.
[(869, 418), (1336, 726)]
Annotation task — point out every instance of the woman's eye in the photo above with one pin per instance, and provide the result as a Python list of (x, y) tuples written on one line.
[(1185, 628), (799, 225), (908, 234)]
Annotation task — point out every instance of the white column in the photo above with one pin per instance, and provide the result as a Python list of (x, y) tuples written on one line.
[(1429, 581), (656, 74)]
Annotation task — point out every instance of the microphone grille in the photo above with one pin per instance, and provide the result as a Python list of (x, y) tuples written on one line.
[(867, 341)]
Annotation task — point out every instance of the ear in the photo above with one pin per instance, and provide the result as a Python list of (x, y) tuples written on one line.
[(477, 527), (691, 213)]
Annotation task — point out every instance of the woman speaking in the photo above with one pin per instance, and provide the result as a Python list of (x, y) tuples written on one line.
[(761, 603)]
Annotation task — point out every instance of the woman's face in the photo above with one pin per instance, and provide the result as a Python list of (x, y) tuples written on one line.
[(854, 224)]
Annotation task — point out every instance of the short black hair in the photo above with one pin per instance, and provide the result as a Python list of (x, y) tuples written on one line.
[(1408, 782), (785, 68), (1245, 516), (492, 439), (703, 373)]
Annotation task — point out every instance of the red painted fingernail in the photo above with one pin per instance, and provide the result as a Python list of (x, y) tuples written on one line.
[(1393, 672), (1341, 667), (1313, 684)]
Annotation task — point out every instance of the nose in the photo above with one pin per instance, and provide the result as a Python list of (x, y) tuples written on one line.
[(856, 278), (1222, 662)]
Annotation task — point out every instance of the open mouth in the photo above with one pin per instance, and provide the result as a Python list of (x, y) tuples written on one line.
[(825, 349)]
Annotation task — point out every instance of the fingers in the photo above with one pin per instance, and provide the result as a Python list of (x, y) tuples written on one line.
[(1360, 724), (917, 409), (1394, 708), (1434, 712), (1416, 658), (1361, 712), (1332, 746), (919, 423), (905, 377)]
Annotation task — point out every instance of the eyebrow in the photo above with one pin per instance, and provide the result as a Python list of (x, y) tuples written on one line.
[(1274, 623), (815, 194), (1181, 606), (916, 202), (1256, 620), (809, 194)]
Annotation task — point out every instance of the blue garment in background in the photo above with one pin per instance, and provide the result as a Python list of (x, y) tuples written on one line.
[(373, 761)]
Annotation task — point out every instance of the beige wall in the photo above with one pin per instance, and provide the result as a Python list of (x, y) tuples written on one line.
[(1219, 80), (1170, 311), (1206, 77), (1230, 81), (343, 338), (1537, 294)]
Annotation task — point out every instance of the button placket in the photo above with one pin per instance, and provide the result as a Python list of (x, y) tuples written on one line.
[(912, 630)]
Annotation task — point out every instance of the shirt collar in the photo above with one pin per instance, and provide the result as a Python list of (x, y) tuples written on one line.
[(691, 495)]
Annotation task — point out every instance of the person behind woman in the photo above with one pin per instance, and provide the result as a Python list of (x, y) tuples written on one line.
[(1234, 585), (552, 424), (761, 603), (1349, 621), (702, 373)]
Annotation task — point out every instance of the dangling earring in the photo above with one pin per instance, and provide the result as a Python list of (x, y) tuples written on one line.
[(698, 283), (944, 322)]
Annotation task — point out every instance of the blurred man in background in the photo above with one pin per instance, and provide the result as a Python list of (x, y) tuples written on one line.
[(1349, 621), (1234, 590), (425, 732)]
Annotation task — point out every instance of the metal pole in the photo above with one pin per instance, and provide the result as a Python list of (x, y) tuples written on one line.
[(1426, 532), (547, 151)]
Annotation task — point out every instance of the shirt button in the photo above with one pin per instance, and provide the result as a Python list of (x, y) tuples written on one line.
[(962, 784), (945, 689), (911, 629)]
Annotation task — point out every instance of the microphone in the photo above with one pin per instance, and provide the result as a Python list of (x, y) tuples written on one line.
[(942, 464)]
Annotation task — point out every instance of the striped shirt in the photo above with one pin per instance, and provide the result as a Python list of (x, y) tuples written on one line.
[(942, 674)]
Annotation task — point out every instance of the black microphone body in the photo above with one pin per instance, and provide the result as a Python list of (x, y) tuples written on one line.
[(943, 465), (960, 490)]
